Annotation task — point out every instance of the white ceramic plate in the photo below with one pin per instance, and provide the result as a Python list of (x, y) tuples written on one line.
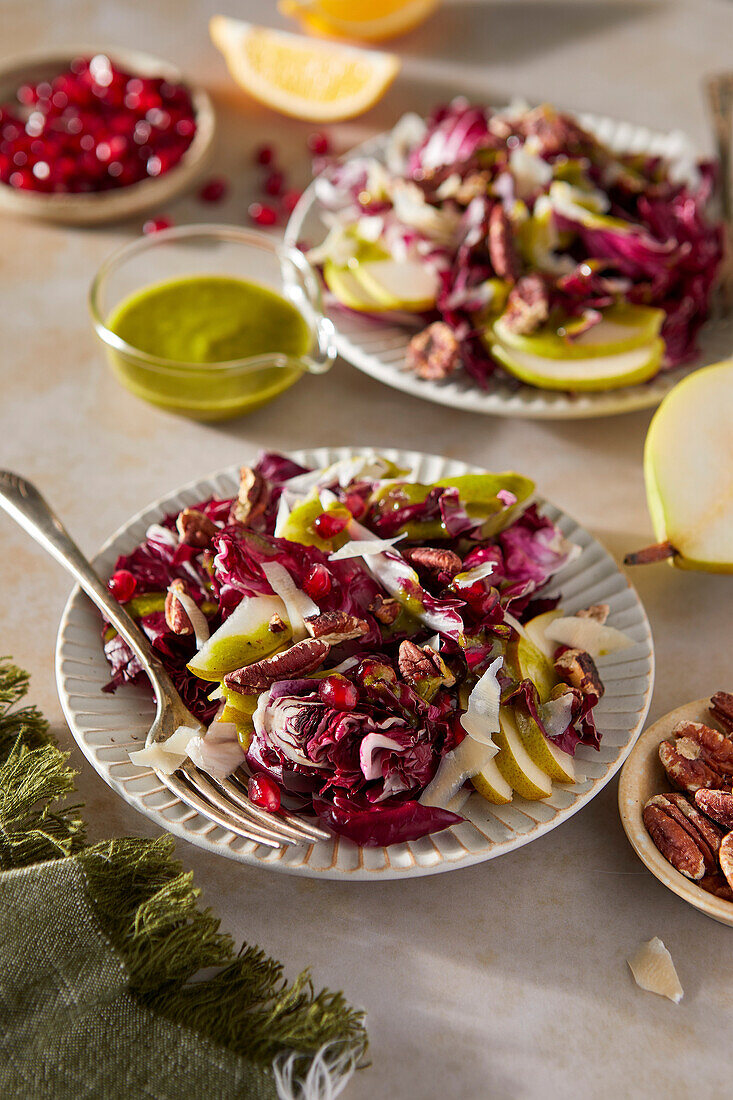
[(107, 726), (378, 347)]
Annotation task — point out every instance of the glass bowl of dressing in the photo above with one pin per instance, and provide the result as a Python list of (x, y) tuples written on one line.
[(210, 321)]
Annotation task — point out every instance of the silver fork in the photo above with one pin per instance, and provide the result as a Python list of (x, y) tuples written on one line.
[(223, 801)]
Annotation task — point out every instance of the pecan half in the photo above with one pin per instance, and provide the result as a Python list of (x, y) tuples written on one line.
[(528, 305), (301, 658), (599, 612), (195, 529), (435, 352), (677, 838), (336, 626), (716, 804), (717, 885), (721, 708), (698, 757), (725, 856), (252, 496), (422, 665), (437, 563), (276, 625), (386, 611), (697, 823), (176, 616), (577, 668), (502, 249)]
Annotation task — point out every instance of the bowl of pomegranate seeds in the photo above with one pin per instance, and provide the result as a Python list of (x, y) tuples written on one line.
[(92, 137)]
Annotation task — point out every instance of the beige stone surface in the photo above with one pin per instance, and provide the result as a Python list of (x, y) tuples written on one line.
[(505, 980)]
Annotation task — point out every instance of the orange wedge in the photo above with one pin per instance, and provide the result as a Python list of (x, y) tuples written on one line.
[(317, 81), (366, 20)]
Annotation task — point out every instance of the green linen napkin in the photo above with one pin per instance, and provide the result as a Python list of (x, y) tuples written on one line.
[(101, 950)]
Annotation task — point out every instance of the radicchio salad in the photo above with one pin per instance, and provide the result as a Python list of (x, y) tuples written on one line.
[(364, 644), (525, 248)]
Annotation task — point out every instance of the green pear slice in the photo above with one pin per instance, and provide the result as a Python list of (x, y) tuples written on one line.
[(344, 286), (492, 785), (603, 372), (242, 638), (515, 763), (688, 469), (404, 285), (525, 661), (557, 763), (535, 629), (624, 327)]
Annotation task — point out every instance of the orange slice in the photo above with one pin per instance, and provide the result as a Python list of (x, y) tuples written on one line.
[(318, 81), (368, 20)]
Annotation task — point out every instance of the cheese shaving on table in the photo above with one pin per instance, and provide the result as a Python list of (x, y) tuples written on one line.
[(653, 970), (298, 605)]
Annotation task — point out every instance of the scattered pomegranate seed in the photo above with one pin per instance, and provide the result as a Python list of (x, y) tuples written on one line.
[(290, 200), (330, 524), (262, 214), (274, 183), (355, 504), (122, 585), (264, 792), (93, 128), (318, 582), (155, 225), (214, 191), (338, 692), (319, 144), (264, 154)]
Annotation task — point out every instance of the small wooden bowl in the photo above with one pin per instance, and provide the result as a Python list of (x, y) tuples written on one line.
[(643, 776), (95, 208)]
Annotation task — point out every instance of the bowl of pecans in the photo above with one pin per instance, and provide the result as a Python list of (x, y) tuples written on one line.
[(676, 803)]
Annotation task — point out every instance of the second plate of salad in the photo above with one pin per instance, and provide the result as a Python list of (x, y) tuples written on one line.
[(431, 660), (518, 262)]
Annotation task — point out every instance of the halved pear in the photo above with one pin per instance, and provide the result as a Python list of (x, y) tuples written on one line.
[(515, 764), (557, 763), (688, 469), (242, 638), (492, 785), (525, 661), (602, 372), (624, 327), (404, 285), (536, 628), (344, 286)]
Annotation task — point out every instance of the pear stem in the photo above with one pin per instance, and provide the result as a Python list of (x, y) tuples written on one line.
[(660, 551)]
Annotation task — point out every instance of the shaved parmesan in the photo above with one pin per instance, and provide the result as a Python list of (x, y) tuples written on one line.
[(556, 714), (363, 548), (458, 765), (327, 498), (298, 605), (199, 621), (283, 514), (166, 756), (583, 633), (654, 970), (470, 576), (369, 466), (481, 719)]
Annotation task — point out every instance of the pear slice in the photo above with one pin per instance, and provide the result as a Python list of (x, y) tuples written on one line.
[(688, 469), (492, 785), (535, 629), (404, 285), (624, 327), (602, 372), (242, 638), (525, 661), (515, 763), (349, 291), (557, 763)]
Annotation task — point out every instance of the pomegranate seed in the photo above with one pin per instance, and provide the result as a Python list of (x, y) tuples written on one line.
[(264, 792), (355, 504), (214, 191), (274, 183), (330, 524), (264, 154), (155, 225), (290, 200), (338, 692), (318, 582), (122, 584), (319, 144), (262, 214)]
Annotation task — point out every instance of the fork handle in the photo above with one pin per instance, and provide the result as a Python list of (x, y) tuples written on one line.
[(24, 503)]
